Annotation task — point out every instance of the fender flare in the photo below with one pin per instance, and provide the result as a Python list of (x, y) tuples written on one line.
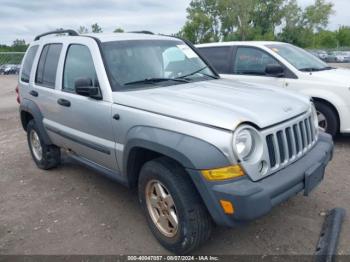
[(33, 109), (189, 151)]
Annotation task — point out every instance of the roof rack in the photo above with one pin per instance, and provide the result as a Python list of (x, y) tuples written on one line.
[(62, 31), (142, 32)]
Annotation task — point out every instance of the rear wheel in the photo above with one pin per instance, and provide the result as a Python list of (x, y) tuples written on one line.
[(327, 118), (174, 211), (45, 156)]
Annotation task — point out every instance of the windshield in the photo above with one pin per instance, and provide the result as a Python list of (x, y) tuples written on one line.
[(299, 58), (139, 63)]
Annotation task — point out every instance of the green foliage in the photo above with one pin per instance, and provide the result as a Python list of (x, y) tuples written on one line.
[(343, 36), (267, 15), (83, 30), (233, 20), (316, 16), (118, 30), (19, 45), (95, 28), (202, 22), (326, 39)]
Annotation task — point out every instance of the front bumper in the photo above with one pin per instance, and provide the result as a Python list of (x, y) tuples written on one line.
[(252, 200)]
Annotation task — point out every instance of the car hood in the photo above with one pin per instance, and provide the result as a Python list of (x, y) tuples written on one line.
[(339, 76), (220, 103)]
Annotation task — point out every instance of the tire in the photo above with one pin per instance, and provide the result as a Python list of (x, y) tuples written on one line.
[(194, 222), (50, 156), (330, 117)]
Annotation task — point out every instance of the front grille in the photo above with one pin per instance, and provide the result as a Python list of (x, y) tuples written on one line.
[(290, 141)]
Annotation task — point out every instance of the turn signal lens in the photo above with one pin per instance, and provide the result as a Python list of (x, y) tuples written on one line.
[(227, 207), (223, 173)]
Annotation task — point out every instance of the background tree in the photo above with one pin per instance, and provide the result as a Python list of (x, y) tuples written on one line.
[(236, 18), (83, 30), (19, 45), (326, 39), (267, 15), (293, 30), (343, 36), (118, 30), (95, 28), (285, 20), (203, 24), (316, 16)]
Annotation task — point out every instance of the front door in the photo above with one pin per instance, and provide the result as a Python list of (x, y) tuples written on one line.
[(85, 123), (249, 64)]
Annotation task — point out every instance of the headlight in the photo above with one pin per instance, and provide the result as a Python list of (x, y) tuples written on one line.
[(314, 116), (247, 144), (244, 143)]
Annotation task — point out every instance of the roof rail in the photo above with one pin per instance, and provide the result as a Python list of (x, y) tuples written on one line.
[(62, 31), (142, 32)]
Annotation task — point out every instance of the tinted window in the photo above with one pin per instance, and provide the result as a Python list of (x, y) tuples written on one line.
[(218, 57), (47, 67), (252, 61), (28, 63), (78, 64)]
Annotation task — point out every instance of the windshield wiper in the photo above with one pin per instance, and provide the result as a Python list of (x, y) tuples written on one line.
[(156, 80), (309, 69), (196, 72), (327, 68), (313, 69)]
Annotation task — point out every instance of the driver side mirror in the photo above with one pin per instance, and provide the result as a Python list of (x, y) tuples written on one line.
[(85, 87), (274, 70)]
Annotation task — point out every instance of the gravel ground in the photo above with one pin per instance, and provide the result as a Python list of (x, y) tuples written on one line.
[(72, 210)]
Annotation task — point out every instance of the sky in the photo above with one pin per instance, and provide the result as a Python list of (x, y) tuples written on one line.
[(23, 19)]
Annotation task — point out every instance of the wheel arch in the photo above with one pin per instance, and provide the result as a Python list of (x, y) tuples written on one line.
[(30, 111), (147, 143), (326, 102)]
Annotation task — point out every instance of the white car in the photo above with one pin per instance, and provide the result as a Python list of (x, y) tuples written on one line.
[(287, 66)]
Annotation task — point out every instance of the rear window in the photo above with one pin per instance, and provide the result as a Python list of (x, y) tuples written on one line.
[(219, 57), (28, 64), (47, 66)]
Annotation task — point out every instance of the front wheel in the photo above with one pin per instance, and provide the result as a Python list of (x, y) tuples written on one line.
[(174, 210), (327, 118)]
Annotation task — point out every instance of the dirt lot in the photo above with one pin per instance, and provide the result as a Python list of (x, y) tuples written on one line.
[(72, 210)]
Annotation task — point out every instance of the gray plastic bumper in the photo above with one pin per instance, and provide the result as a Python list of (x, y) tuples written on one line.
[(252, 200)]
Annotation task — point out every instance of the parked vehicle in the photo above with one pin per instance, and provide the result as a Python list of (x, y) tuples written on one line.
[(288, 67), (9, 69), (319, 54), (147, 111), (343, 57)]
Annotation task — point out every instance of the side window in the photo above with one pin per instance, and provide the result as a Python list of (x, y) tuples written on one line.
[(78, 64), (218, 57), (28, 64), (252, 61), (47, 67)]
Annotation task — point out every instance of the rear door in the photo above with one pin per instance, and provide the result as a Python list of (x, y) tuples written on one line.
[(219, 57), (43, 87)]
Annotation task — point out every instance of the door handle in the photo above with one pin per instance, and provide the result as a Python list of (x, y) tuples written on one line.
[(63, 102), (34, 93)]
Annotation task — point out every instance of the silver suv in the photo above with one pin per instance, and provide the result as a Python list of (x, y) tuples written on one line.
[(150, 112)]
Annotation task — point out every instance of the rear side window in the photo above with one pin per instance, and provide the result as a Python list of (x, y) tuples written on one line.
[(219, 57), (28, 63), (47, 67), (79, 64)]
